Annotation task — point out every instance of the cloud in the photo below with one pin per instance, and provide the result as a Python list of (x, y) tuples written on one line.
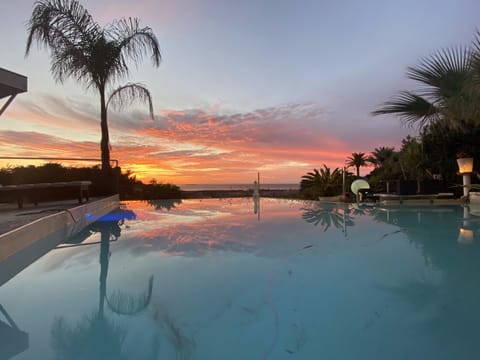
[(197, 145), (53, 113), (30, 143)]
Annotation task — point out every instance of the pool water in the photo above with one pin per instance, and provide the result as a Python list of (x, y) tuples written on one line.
[(234, 279)]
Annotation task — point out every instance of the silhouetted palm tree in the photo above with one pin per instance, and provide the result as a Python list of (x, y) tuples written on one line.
[(357, 160), (98, 57), (382, 156)]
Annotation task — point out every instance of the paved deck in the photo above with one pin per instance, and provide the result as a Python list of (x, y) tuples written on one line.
[(11, 217)]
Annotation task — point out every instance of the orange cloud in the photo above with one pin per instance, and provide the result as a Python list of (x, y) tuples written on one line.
[(194, 146)]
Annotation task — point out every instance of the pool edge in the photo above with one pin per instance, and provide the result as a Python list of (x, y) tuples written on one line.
[(67, 222)]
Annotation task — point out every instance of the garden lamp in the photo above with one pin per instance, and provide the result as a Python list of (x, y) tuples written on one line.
[(465, 168)]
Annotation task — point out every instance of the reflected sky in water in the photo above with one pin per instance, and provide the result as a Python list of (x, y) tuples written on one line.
[(231, 279)]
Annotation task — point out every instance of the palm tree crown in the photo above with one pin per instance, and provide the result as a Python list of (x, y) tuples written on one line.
[(357, 160), (383, 155), (97, 57), (447, 94), (321, 183)]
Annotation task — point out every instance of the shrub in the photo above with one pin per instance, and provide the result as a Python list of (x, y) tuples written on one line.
[(321, 183)]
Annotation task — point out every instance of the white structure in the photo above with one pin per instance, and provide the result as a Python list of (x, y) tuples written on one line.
[(465, 168), (11, 84)]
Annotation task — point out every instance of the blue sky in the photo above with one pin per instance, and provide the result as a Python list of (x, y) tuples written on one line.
[(279, 86)]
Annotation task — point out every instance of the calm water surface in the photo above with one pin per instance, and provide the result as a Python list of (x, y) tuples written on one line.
[(232, 279)]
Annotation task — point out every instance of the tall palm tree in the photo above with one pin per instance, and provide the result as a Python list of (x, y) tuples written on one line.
[(357, 160), (444, 96), (97, 57)]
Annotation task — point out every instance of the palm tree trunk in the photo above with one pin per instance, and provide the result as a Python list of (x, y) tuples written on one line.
[(105, 140)]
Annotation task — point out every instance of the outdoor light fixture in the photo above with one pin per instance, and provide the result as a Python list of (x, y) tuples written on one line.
[(465, 165), (465, 168)]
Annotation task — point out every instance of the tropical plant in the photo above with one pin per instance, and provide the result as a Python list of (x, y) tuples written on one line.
[(444, 97), (357, 160), (442, 146), (321, 183), (412, 159), (97, 57), (386, 162), (382, 156)]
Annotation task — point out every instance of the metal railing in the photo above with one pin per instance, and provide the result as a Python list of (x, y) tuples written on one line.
[(115, 161)]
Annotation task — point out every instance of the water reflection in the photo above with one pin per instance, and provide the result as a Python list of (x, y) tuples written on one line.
[(13, 340), (328, 215), (167, 204), (289, 285), (256, 206), (449, 303), (108, 226), (96, 336), (471, 224), (432, 297)]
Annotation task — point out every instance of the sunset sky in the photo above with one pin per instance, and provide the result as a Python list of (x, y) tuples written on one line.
[(275, 86)]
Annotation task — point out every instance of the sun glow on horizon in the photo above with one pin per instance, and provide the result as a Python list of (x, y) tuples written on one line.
[(185, 147)]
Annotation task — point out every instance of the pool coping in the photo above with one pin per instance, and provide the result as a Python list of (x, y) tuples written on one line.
[(65, 223)]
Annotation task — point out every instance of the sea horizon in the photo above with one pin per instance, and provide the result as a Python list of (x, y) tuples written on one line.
[(267, 186)]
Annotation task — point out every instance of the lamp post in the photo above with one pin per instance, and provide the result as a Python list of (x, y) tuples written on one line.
[(465, 168)]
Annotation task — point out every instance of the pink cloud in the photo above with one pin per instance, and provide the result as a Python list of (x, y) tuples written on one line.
[(196, 146)]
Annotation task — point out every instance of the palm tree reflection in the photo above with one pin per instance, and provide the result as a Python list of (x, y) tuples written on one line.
[(446, 304), (96, 336), (167, 204), (13, 341), (326, 216)]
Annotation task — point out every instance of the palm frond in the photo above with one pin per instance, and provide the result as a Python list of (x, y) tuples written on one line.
[(476, 56), (127, 94), (413, 109), (126, 304), (51, 18), (444, 73), (64, 27), (470, 101), (357, 159), (133, 41)]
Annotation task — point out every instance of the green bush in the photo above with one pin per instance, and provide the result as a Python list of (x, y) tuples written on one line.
[(321, 183)]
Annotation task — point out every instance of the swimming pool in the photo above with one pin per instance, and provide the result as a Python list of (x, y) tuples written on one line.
[(234, 279)]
